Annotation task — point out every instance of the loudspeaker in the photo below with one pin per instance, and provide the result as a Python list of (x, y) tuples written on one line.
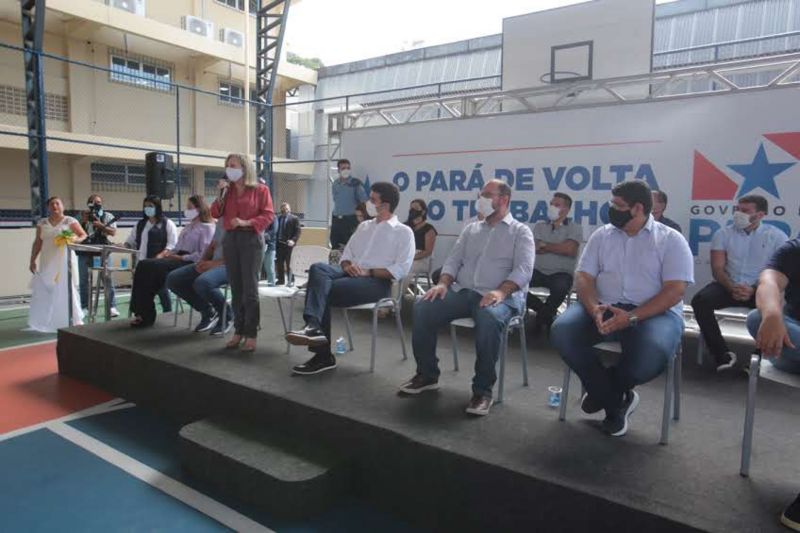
[(159, 175)]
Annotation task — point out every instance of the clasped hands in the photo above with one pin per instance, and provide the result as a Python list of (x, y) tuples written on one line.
[(619, 319)]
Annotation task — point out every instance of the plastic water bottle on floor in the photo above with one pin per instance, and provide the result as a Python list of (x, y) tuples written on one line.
[(341, 347), (554, 396)]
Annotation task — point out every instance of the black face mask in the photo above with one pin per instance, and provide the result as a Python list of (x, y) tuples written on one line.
[(414, 214), (619, 218)]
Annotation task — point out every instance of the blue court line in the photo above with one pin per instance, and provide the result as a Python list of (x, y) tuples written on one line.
[(50, 484)]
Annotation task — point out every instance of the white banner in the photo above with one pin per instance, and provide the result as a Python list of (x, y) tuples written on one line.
[(704, 152)]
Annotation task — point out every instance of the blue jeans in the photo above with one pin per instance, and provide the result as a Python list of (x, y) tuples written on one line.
[(268, 266), (84, 264), (429, 316), (646, 350), (329, 286), (201, 291), (789, 361)]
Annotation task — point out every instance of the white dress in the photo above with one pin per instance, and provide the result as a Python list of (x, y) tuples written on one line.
[(49, 297)]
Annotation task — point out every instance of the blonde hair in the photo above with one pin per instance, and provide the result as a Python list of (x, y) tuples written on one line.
[(248, 169)]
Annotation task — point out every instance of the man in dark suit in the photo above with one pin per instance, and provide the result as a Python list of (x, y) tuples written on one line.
[(288, 235)]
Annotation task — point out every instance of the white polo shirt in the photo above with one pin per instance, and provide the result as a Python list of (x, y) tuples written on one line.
[(747, 253)]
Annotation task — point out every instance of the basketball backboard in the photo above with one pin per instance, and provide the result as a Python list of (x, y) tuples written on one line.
[(596, 39)]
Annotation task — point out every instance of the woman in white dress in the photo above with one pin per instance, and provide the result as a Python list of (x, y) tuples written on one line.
[(50, 294)]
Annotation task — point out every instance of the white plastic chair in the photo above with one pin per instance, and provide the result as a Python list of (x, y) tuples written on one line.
[(302, 259), (759, 368), (392, 304), (516, 322), (672, 387), (421, 268)]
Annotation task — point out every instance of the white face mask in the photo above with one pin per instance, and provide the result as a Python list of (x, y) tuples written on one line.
[(372, 210), (345, 173), (484, 206), (553, 213), (741, 220), (234, 174), (190, 214)]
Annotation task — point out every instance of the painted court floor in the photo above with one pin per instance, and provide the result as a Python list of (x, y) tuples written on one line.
[(74, 458)]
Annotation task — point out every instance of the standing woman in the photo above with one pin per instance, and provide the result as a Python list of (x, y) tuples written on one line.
[(50, 292), (245, 205)]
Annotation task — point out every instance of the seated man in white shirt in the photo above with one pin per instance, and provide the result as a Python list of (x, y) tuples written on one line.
[(630, 281), (484, 278), (739, 253), (381, 250)]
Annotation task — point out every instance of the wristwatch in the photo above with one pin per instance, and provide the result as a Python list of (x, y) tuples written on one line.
[(633, 320)]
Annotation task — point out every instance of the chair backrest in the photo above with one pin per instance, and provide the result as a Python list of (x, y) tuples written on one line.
[(306, 255), (422, 266), (399, 288)]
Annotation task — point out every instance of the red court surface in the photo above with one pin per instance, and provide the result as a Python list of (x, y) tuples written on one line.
[(32, 391)]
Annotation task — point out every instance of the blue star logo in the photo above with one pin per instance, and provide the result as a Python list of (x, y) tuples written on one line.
[(760, 174)]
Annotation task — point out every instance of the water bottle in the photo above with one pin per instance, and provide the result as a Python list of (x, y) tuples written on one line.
[(96, 261), (341, 347), (554, 396), (123, 263)]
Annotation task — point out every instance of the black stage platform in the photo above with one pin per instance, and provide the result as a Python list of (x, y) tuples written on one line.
[(424, 459)]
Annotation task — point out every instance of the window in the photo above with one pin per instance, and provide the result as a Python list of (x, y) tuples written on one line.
[(210, 179), (13, 102), (230, 93), (119, 177), (239, 4), (142, 72)]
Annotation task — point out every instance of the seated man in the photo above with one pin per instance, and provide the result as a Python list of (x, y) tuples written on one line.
[(557, 243), (381, 250), (776, 328), (484, 278), (199, 285), (659, 206), (630, 281), (739, 253)]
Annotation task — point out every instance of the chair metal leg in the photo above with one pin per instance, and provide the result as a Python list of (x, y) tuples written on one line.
[(374, 339), (454, 340), (398, 319), (668, 398), (503, 353), (191, 313), (676, 393), (283, 322), (749, 415), (524, 349), (562, 411), (175, 313), (347, 326), (701, 346)]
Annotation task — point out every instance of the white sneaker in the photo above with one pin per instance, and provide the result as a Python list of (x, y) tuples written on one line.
[(114, 312)]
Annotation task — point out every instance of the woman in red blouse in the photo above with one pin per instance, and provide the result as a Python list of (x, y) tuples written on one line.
[(246, 210)]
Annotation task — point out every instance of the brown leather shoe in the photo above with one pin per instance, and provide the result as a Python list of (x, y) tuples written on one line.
[(479, 405)]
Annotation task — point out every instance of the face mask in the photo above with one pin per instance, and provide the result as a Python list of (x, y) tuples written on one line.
[(149, 211), (414, 214), (190, 214), (234, 174), (484, 206), (619, 218), (741, 220), (372, 210), (553, 213), (345, 173)]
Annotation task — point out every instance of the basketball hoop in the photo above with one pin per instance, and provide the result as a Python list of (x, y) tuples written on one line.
[(562, 76)]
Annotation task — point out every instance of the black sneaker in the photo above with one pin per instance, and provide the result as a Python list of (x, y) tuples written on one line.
[(317, 364), (307, 336), (419, 383), (725, 361), (206, 323), (589, 406), (219, 331), (616, 423), (791, 516)]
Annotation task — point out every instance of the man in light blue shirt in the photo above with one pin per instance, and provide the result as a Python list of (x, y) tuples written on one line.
[(739, 253), (348, 193), (485, 278), (630, 282)]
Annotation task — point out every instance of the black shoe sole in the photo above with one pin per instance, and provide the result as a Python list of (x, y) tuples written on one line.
[(303, 340), (301, 372), (419, 390), (211, 325)]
